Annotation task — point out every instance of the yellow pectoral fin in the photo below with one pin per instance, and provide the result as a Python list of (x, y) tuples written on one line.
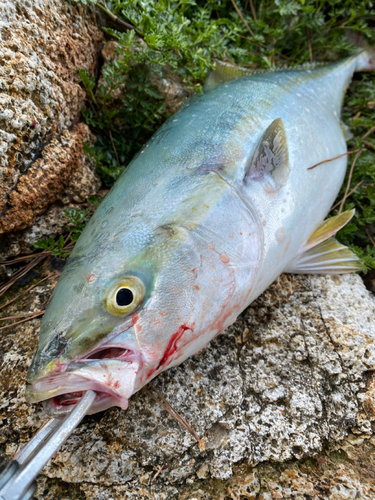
[(327, 229)]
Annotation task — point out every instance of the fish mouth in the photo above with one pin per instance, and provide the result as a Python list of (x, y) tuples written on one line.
[(109, 370), (62, 405)]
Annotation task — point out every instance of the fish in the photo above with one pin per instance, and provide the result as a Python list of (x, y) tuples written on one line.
[(219, 202)]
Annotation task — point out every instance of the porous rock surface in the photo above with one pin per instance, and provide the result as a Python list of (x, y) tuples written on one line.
[(290, 380), (43, 43)]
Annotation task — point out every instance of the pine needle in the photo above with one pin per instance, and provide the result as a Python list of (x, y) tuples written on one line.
[(164, 403), (25, 291), (359, 151), (334, 158), (35, 315), (21, 272)]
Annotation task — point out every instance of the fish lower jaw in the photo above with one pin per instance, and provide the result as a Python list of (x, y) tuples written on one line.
[(112, 380), (62, 405)]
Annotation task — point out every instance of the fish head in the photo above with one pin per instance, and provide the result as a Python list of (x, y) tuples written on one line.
[(125, 309)]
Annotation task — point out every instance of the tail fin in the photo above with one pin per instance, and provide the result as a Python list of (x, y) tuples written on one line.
[(365, 60)]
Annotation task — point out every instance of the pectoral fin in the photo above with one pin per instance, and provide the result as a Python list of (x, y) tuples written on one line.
[(323, 254), (346, 131), (271, 156)]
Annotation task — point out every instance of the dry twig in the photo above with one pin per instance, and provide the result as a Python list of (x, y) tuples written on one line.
[(334, 158), (116, 19), (35, 315), (243, 19), (310, 47), (113, 146), (370, 237), (25, 291), (164, 403), (21, 272), (254, 14), (160, 469), (18, 316), (369, 132), (350, 192), (359, 151), (24, 257)]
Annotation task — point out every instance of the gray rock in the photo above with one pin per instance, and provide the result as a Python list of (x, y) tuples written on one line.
[(287, 380)]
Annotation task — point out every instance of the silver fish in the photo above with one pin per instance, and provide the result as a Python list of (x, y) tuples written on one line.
[(214, 208)]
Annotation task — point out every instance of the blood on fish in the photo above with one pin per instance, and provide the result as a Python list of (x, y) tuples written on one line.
[(57, 362), (171, 348), (135, 319)]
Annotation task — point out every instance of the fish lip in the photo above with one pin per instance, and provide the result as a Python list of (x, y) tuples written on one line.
[(101, 402), (35, 394), (65, 379)]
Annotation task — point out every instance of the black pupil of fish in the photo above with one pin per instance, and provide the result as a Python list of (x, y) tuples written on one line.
[(124, 297)]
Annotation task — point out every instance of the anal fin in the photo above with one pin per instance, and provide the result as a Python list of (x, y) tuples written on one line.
[(329, 257), (323, 254)]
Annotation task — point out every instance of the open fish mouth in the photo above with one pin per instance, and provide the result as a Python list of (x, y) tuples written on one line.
[(110, 371), (62, 405)]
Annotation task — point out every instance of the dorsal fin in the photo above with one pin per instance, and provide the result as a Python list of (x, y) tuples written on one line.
[(226, 72), (271, 156)]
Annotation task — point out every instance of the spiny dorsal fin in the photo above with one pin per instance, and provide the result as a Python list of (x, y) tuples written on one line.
[(271, 156), (327, 229), (329, 257)]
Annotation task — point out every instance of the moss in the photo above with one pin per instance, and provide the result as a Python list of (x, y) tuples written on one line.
[(187, 36)]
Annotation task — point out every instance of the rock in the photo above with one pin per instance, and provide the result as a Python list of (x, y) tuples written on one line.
[(173, 89), (290, 380), (74, 169), (43, 44)]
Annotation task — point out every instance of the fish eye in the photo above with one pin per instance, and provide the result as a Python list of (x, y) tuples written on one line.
[(125, 295)]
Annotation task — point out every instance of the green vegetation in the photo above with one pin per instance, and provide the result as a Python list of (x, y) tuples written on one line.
[(125, 107), (63, 246)]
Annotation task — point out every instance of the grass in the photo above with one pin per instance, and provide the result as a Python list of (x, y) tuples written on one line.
[(187, 36)]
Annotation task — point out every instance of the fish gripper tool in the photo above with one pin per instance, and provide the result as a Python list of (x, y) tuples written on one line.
[(17, 481)]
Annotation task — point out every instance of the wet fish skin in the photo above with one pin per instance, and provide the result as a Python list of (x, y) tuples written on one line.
[(204, 232)]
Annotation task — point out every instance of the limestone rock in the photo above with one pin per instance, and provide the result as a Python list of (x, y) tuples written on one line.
[(43, 44), (291, 379)]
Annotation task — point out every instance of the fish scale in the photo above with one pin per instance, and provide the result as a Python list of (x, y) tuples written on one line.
[(214, 208)]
